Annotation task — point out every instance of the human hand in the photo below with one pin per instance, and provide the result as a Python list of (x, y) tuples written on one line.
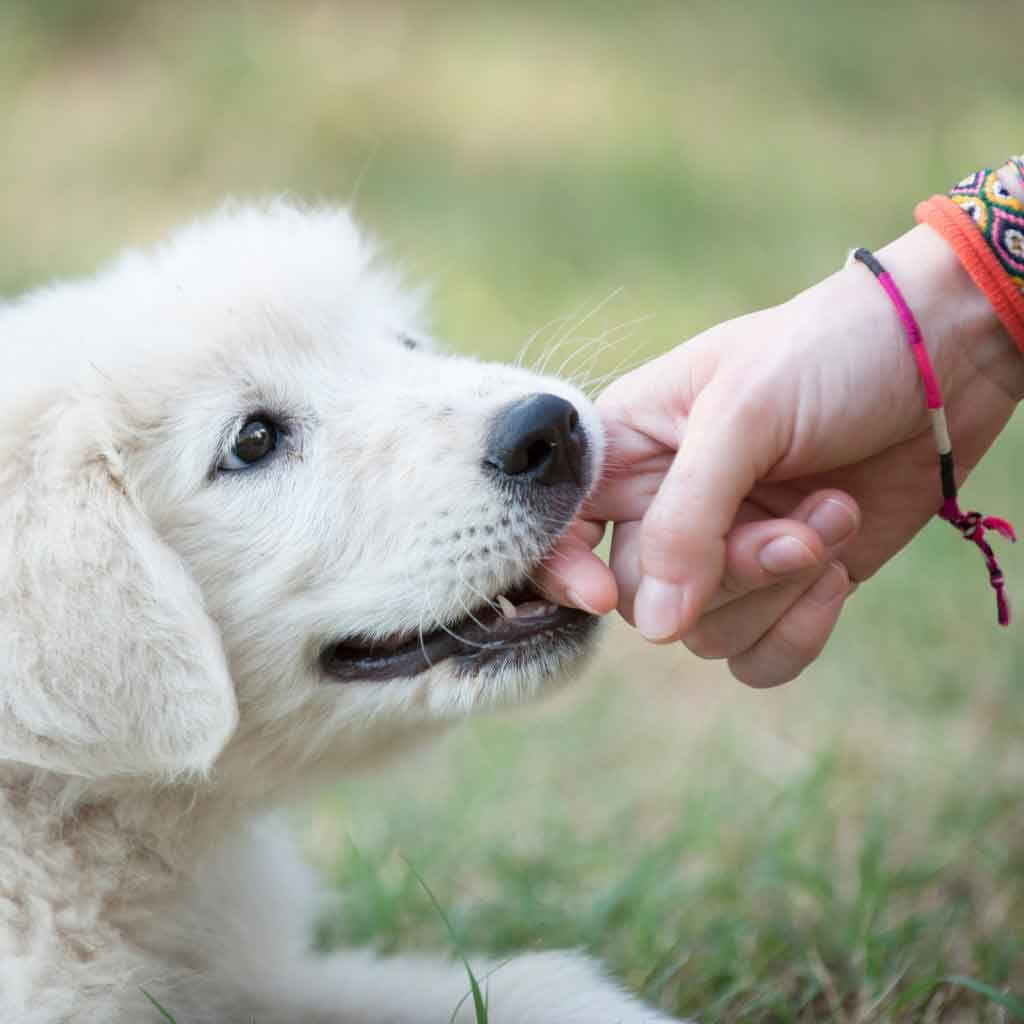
[(757, 416)]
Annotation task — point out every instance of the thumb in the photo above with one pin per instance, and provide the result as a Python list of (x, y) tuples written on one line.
[(728, 445)]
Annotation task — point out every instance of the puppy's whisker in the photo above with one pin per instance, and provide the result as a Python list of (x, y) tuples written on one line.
[(586, 343), (419, 632), (548, 567), (561, 338), (592, 348), (619, 338), (566, 335), (525, 573), (591, 313), (555, 553), (521, 355), (549, 354), (559, 576), (627, 363), (600, 343), (455, 636), (353, 197), (595, 385), (464, 582), (556, 524)]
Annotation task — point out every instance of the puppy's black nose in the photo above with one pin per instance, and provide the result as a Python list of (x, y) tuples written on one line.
[(538, 440)]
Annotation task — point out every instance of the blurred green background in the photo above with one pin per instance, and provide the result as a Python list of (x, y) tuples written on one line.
[(849, 848)]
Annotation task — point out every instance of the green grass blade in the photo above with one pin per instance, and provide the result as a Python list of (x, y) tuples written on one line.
[(479, 1003), (163, 1013), (1003, 999)]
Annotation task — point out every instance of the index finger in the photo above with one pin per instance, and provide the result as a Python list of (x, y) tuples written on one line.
[(683, 546)]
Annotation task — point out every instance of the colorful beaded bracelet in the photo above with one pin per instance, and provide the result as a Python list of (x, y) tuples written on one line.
[(972, 525)]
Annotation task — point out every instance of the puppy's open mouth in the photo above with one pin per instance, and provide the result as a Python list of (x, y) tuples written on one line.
[(515, 627)]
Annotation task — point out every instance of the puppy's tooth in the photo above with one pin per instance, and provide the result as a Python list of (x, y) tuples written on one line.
[(533, 609), (508, 609)]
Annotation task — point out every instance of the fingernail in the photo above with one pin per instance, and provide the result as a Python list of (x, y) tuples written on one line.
[(832, 521), (658, 607), (785, 555), (830, 586), (577, 602)]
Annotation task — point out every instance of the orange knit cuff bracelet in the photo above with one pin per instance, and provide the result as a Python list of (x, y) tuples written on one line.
[(963, 235)]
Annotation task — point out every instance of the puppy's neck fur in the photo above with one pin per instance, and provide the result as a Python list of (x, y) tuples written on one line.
[(170, 827)]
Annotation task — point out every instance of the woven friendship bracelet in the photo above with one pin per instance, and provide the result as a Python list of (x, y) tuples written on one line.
[(972, 525), (982, 219)]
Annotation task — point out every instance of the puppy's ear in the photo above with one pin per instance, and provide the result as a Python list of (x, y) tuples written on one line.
[(109, 664)]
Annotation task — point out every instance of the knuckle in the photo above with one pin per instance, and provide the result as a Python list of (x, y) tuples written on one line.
[(798, 646), (664, 525), (732, 585), (750, 404), (706, 643), (780, 656), (751, 407)]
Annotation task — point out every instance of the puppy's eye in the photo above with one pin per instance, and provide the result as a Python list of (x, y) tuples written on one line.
[(255, 441), (409, 341)]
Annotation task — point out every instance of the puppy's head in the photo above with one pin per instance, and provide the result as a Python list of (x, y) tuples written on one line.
[(244, 488)]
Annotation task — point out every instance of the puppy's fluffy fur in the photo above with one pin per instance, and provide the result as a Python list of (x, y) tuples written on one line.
[(165, 613)]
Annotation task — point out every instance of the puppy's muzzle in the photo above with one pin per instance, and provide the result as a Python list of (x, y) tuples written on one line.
[(537, 454)]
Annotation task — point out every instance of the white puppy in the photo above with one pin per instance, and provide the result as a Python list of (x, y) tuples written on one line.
[(254, 531)]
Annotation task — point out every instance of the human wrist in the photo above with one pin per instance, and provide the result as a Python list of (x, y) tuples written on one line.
[(847, 324), (962, 332)]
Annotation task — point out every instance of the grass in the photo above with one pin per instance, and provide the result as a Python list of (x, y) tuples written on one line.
[(848, 849), (736, 863), (480, 1014), (160, 1009)]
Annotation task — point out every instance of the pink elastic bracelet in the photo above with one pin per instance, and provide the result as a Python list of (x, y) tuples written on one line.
[(972, 525)]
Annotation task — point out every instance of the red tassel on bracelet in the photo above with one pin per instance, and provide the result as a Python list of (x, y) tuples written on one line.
[(972, 525)]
